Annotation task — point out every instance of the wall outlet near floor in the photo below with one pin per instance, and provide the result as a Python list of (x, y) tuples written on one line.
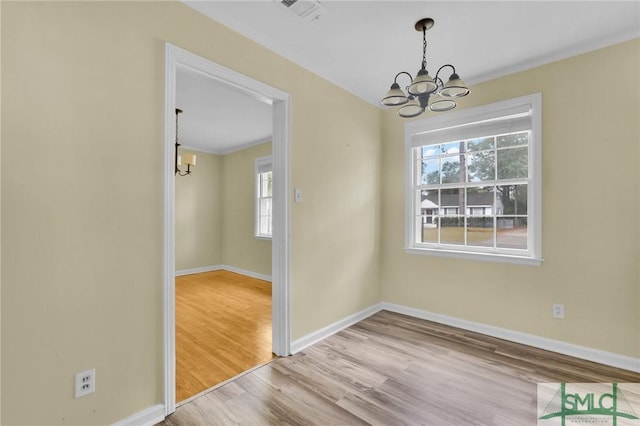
[(558, 311), (85, 382)]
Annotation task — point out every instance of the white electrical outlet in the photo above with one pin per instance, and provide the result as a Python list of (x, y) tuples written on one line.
[(558, 311), (85, 382)]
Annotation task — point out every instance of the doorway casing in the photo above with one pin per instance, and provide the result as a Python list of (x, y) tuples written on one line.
[(281, 340)]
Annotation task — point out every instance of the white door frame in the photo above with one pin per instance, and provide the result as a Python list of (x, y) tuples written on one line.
[(281, 339)]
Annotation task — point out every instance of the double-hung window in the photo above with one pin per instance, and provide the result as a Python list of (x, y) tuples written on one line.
[(264, 197), (473, 183)]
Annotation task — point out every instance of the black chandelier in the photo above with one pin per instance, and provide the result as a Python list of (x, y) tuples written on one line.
[(190, 159), (424, 91)]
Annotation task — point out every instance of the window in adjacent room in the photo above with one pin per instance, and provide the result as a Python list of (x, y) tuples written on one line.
[(473, 182), (264, 197)]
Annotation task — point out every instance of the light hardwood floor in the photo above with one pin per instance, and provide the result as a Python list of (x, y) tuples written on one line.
[(391, 369), (223, 327)]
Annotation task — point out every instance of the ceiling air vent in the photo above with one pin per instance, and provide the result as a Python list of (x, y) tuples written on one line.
[(309, 10)]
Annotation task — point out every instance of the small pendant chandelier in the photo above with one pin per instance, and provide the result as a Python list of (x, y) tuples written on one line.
[(189, 159), (424, 91)]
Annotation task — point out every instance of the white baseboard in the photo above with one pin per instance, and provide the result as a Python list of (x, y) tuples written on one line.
[(147, 417), (246, 272), (198, 270), (582, 352), (225, 268), (332, 329)]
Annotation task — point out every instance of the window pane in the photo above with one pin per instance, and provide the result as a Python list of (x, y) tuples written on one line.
[(482, 166), (512, 163), (452, 201), (512, 232), (265, 207), (265, 216), (428, 216), (263, 185), (451, 171), (480, 144), (430, 171), (266, 184), (429, 202), (265, 225), (430, 150), (452, 229), (429, 228), (452, 208), (480, 201), (480, 231), (264, 194), (511, 200), (480, 211), (513, 139), (452, 147)]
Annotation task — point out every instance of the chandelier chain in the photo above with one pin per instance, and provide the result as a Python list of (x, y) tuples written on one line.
[(177, 113), (424, 47)]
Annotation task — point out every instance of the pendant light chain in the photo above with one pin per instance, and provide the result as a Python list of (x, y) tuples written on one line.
[(424, 47), (177, 113)]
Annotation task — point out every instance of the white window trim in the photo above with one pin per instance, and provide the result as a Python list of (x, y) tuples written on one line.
[(473, 115), (261, 164)]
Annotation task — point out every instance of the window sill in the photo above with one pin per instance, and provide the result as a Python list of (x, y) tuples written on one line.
[(488, 257), (262, 237)]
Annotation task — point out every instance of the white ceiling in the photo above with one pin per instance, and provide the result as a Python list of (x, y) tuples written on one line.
[(217, 118), (361, 45)]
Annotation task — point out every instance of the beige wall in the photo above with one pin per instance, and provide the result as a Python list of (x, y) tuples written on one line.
[(336, 227), (198, 214), (215, 210), (240, 248), (82, 218), (590, 214)]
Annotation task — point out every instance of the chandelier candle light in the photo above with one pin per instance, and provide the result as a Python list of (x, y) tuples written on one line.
[(189, 159), (424, 91)]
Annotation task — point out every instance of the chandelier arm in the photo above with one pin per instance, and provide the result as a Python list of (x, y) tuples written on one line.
[(444, 66), (395, 80)]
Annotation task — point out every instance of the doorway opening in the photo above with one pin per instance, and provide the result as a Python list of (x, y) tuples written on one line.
[(177, 58)]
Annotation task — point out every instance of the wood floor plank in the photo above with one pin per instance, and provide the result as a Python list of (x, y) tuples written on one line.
[(223, 328), (392, 369)]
